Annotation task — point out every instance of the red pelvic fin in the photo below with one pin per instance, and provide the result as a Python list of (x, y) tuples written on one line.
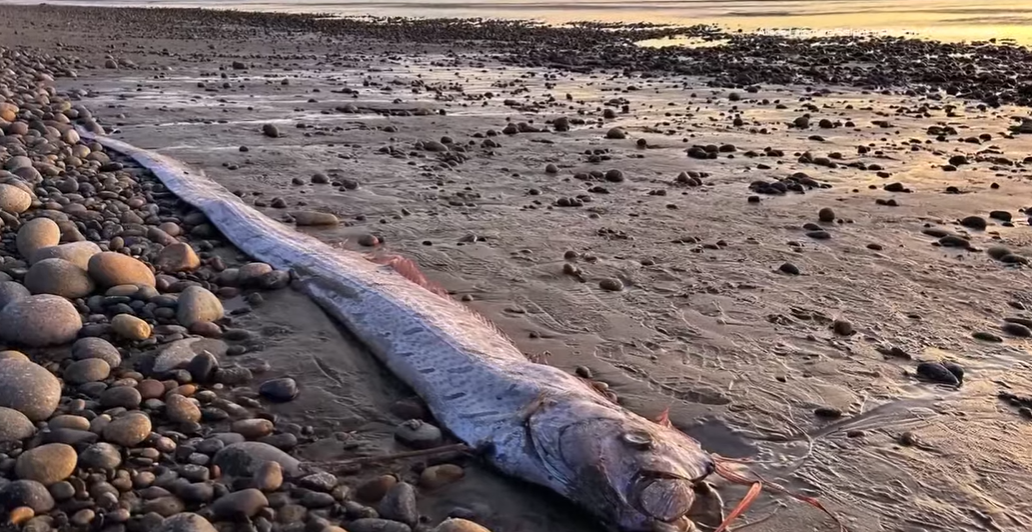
[(664, 418), (729, 474), (409, 270)]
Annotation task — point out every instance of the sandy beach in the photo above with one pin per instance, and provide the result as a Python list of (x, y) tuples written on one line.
[(797, 246)]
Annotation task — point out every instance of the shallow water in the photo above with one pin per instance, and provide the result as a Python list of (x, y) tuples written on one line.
[(939, 19)]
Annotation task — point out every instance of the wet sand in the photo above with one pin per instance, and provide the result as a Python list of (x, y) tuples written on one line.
[(751, 360)]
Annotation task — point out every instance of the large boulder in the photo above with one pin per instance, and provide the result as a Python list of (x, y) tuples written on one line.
[(78, 253), (113, 269), (28, 388), (196, 305), (60, 278), (39, 321), (13, 199), (243, 459), (14, 426), (35, 234)]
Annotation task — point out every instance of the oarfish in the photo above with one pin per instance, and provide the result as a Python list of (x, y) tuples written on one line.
[(529, 420)]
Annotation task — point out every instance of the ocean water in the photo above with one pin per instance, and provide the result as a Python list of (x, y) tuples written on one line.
[(957, 20)]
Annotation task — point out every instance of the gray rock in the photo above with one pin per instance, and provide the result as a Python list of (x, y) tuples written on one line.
[(418, 434), (100, 456), (321, 481), (181, 410), (279, 390), (14, 426), (239, 505), (186, 522), (164, 506), (26, 493), (78, 253), (36, 234), (84, 348), (12, 291), (197, 305), (58, 277), (399, 504), (87, 370), (243, 459), (29, 389), (178, 354), (39, 321), (316, 499), (121, 396)]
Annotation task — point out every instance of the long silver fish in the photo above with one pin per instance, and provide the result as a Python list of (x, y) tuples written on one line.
[(531, 421)]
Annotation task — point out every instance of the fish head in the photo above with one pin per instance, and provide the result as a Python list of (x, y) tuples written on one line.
[(632, 473)]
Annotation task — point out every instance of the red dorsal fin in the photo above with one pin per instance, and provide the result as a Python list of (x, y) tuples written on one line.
[(664, 418), (409, 270)]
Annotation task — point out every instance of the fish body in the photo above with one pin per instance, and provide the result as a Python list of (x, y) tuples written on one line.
[(532, 421)]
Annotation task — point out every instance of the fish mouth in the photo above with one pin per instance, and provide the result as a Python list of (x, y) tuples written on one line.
[(665, 498)]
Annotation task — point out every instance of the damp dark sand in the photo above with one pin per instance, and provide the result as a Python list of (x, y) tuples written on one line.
[(706, 323)]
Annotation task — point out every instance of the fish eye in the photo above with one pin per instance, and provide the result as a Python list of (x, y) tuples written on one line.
[(638, 439)]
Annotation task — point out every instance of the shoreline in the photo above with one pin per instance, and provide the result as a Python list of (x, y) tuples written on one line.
[(663, 231)]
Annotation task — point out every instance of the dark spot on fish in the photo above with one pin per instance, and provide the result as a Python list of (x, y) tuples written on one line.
[(405, 354), (460, 370), (427, 371), (484, 414), (414, 330), (457, 395)]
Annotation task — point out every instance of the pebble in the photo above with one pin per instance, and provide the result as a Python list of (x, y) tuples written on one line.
[(1016, 329), (29, 389), (128, 430), (26, 493), (418, 434), (13, 199), (369, 524), (242, 504), (121, 397), (253, 429), (315, 499), (243, 459), (35, 234), (434, 477), (789, 268), (268, 477), (100, 456), (84, 348), (130, 327), (78, 253), (279, 390), (974, 222), (826, 215), (611, 284), (112, 269), (58, 277), (842, 328), (197, 304), (202, 367), (616, 134), (12, 291), (178, 257), (179, 409), (454, 524), (20, 515), (827, 412), (14, 426), (39, 321), (374, 489), (986, 336), (47, 464), (310, 218), (270, 130), (86, 370)]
